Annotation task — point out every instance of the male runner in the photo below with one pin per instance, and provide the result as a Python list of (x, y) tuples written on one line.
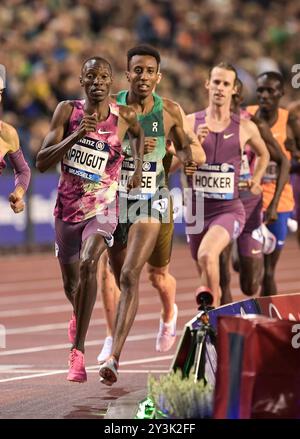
[(159, 276), (217, 181), (252, 242), (269, 91), (86, 136), (10, 146), (160, 118)]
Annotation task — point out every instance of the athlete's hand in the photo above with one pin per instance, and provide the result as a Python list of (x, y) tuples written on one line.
[(202, 132), (189, 167), (255, 187), (134, 182), (271, 214), (16, 202), (149, 144), (88, 123)]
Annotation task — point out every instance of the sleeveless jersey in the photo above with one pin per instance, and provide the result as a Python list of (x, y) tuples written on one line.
[(90, 170), (218, 178), (286, 201), (153, 170)]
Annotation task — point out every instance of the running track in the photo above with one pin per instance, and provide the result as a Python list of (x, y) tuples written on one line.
[(34, 311)]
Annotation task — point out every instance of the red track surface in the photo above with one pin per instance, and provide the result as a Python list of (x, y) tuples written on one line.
[(34, 311)]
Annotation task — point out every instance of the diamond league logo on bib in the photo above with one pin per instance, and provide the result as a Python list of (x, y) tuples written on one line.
[(100, 145), (146, 166), (224, 167)]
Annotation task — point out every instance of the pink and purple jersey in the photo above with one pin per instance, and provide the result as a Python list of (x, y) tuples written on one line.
[(90, 170)]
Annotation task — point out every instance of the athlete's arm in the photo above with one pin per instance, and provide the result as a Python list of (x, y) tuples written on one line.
[(250, 134), (198, 154), (55, 146), (9, 136), (136, 134), (277, 156), (292, 142)]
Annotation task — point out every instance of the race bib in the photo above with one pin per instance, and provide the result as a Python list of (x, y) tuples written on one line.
[(87, 159), (271, 173), (148, 184), (215, 181)]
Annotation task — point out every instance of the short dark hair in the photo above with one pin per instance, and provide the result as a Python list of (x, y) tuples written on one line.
[(225, 66), (276, 76), (100, 60), (143, 49)]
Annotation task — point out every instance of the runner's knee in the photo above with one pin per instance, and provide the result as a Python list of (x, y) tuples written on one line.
[(205, 259), (88, 267), (129, 278)]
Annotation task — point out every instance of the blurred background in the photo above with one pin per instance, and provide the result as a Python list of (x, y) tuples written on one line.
[(44, 42)]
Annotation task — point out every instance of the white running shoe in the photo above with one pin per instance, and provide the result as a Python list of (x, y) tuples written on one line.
[(292, 225), (269, 240), (106, 350), (167, 333)]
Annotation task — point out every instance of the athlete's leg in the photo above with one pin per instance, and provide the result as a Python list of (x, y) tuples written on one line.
[(250, 274), (86, 293), (110, 293), (225, 276), (70, 276), (158, 270), (213, 243), (141, 241), (269, 287), (279, 230), (165, 284)]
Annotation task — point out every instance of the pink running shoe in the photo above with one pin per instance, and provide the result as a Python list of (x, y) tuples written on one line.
[(77, 371), (72, 329), (167, 333)]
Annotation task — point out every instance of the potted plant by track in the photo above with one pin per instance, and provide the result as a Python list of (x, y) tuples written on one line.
[(173, 397)]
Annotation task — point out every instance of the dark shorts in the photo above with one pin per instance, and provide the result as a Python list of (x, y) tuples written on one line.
[(69, 237), (158, 207), (250, 241), (228, 214)]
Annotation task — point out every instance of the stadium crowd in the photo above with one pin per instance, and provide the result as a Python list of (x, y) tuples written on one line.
[(43, 43)]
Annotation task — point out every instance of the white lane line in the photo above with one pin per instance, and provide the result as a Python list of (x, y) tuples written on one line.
[(58, 293), (30, 285), (54, 309), (58, 372), (27, 298), (55, 347), (55, 326)]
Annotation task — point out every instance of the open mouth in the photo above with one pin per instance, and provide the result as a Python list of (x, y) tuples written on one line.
[(98, 92), (143, 87)]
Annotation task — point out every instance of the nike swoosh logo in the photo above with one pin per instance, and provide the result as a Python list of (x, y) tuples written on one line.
[(104, 132), (227, 136), (255, 252)]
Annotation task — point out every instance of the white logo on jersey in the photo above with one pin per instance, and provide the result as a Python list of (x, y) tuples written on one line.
[(154, 126)]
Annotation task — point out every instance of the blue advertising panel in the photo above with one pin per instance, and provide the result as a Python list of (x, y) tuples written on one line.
[(12, 226), (37, 221), (44, 190)]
